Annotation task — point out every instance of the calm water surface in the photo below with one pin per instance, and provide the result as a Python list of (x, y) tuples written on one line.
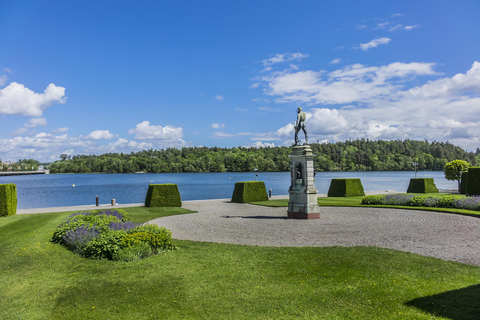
[(57, 190)]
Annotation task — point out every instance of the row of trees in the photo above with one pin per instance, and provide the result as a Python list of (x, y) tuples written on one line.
[(20, 165), (352, 155)]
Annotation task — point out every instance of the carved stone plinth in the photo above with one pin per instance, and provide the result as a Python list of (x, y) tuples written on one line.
[(302, 202)]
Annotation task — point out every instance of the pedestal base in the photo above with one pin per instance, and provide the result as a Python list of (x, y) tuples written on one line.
[(303, 215)]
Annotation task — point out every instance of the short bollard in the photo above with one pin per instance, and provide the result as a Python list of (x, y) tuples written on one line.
[(269, 193), (96, 201), (113, 202)]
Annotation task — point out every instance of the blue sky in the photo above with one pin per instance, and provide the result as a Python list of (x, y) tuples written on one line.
[(89, 77)]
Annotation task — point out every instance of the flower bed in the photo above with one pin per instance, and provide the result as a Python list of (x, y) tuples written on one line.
[(108, 234), (468, 203)]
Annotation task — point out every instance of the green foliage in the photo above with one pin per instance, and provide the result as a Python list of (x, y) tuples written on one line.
[(93, 234), (417, 201), (473, 182), (249, 191), (359, 155), (422, 185), (346, 188), (100, 221), (453, 169), (373, 200), (163, 195), (8, 199), (157, 237), (105, 246), (463, 183), (135, 252), (446, 202)]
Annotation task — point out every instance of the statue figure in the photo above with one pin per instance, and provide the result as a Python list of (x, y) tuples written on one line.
[(300, 124)]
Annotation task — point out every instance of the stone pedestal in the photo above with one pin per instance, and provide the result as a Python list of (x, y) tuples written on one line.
[(302, 202)]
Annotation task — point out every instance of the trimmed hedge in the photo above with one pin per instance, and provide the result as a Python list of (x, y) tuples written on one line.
[(473, 182), (163, 195), (463, 182), (346, 188), (249, 191), (8, 199), (422, 185)]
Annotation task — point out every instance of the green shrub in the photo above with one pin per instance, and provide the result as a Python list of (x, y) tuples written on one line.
[(133, 253), (163, 195), (105, 246), (473, 182), (463, 182), (422, 185), (373, 200), (346, 188), (417, 201), (8, 199), (161, 240), (249, 191), (90, 219), (446, 202)]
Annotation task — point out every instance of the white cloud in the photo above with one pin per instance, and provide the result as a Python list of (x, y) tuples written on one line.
[(218, 125), (335, 61), (379, 102), (17, 99), (283, 57), (408, 28), (382, 25), (374, 43), (221, 135), (35, 122), (240, 110), (100, 135), (260, 144), (3, 80), (19, 132), (395, 27), (268, 109), (145, 131), (255, 85), (326, 122), (351, 83), (219, 98), (60, 130), (397, 15)]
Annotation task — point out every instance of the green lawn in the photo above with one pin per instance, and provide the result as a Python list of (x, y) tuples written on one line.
[(357, 202), (41, 280)]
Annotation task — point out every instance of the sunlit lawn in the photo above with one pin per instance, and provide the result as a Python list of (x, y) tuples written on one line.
[(357, 202), (41, 280)]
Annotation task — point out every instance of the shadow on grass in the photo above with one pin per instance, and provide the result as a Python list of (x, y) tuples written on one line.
[(460, 304)]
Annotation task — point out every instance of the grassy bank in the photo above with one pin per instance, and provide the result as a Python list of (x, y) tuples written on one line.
[(357, 202), (41, 280)]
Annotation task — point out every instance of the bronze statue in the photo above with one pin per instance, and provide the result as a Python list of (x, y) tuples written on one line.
[(300, 124)]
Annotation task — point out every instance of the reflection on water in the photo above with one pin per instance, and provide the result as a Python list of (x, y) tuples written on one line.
[(54, 190)]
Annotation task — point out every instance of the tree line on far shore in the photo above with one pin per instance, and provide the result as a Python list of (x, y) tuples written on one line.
[(351, 155)]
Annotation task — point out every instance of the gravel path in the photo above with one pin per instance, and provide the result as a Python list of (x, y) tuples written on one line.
[(441, 235)]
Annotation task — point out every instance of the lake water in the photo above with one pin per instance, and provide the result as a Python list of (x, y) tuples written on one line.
[(58, 190)]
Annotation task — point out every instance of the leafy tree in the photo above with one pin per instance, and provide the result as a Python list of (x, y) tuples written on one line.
[(453, 170), (63, 156)]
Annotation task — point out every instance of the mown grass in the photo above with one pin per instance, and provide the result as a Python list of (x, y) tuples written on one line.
[(357, 202), (41, 280)]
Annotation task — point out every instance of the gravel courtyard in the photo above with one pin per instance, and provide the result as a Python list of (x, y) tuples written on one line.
[(434, 234)]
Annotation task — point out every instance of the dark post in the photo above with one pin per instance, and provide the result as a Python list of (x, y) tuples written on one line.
[(96, 201), (269, 193)]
